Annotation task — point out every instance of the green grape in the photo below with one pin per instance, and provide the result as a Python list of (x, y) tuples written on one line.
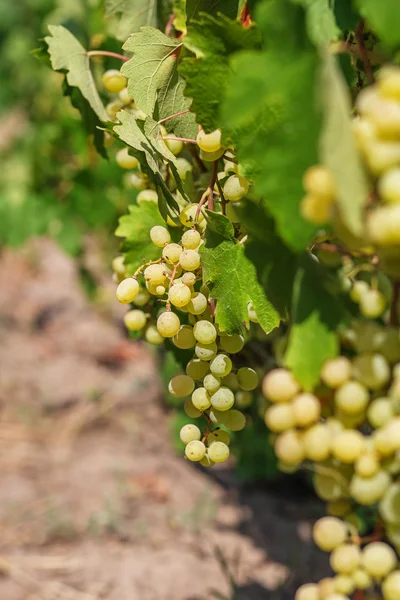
[(219, 435), (329, 533), (113, 108), (279, 385), (124, 96), (188, 433), (155, 290), (184, 338), (160, 236), (348, 445), (198, 303), (289, 447), (232, 343), (171, 253), (339, 508), (206, 461), (204, 332), (372, 370), (358, 290), (189, 260), (168, 324), (209, 142), (221, 365), (345, 558), (329, 485), (344, 584), (127, 290), (352, 397), (315, 209), (389, 506), (369, 490), (380, 412), (183, 167), (389, 345), (391, 586), (195, 451), (191, 239), (235, 188), (181, 386), (191, 410), (306, 409), (389, 186), (378, 559), (135, 320), (317, 442), (197, 369), (372, 304), (174, 146), (247, 379), (242, 399), (279, 417), (201, 399), (119, 267), (137, 181), (188, 215), (231, 381), (126, 160), (336, 371), (211, 156), (218, 452), (318, 180), (211, 383), (142, 298), (308, 591), (152, 336), (362, 580), (367, 465), (383, 224), (206, 351), (154, 274), (113, 81), (232, 419), (179, 294), (223, 399), (147, 196)]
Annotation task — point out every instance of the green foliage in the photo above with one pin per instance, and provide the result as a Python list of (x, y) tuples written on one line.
[(133, 14), (383, 17), (321, 20)]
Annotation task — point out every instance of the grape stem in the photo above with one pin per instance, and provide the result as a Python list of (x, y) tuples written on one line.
[(209, 193), (139, 269), (209, 425), (359, 595), (180, 139), (179, 114), (394, 309), (170, 22), (172, 277), (359, 35), (107, 53), (221, 194), (230, 159), (198, 160)]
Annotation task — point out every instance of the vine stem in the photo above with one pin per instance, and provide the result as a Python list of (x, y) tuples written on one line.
[(394, 309), (179, 114), (179, 139), (139, 269), (359, 35), (107, 53)]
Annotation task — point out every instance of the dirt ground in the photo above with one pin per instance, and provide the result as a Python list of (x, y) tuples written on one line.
[(94, 502)]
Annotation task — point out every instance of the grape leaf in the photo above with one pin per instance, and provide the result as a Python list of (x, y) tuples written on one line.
[(154, 82), (68, 55), (316, 317), (346, 15), (186, 10), (338, 148), (383, 17), (270, 113), (135, 228), (321, 22), (212, 40), (133, 14), (234, 280)]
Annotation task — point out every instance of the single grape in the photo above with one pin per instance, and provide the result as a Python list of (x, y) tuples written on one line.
[(184, 338), (188, 215), (329, 533), (330, 485), (198, 303), (352, 397), (315, 209), (383, 224), (219, 435), (336, 371), (232, 419), (380, 412), (152, 336), (232, 343), (204, 332), (378, 559), (183, 167), (231, 382), (339, 508), (189, 260), (289, 447), (212, 383), (135, 320), (308, 591), (279, 417), (345, 558), (138, 181), (197, 369), (174, 146), (124, 96), (235, 188), (155, 274), (369, 490), (146, 196), (326, 587), (372, 370), (389, 82), (188, 433), (247, 379), (159, 236), (279, 385), (179, 294), (195, 451), (389, 344), (209, 142), (348, 445), (391, 586), (189, 279), (372, 304), (113, 108), (218, 452), (367, 465), (223, 399), (201, 399), (318, 180), (181, 386), (191, 239), (221, 365), (142, 298), (317, 442), (344, 584), (242, 399), (211, 156), (126, 160), (306, 409), (172, 252), (127, 290), (206, 351), (118, 266), (206, 461), (168, 324), (191, 410), (113, 81), (362, 580), (389, 506)]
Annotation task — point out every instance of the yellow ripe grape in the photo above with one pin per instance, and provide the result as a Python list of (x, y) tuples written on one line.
[(181, 386), (326, 587), (391, 586), (344, 584), (317, 442), (206, 351), (189, 260), (219, 435), (211, 156), (113, 81), (384, 225), (352, 397), (388, 82), (392, 430), (209, 142), (389, 506), (223, 399), (179, 294), (124, 96), (198, 304), (183, 167), (389, 186), (212, 383), (289, 447), (146, 196), (347, 446), (201, 399), (184, 338), (358, 290), (372, 370), (383, 443), (385, 116), (191, 410), (279, 417), (378, 559), (315, 209), (362, 579), (235, 188), (135, 320), (308, 591), (382, 155), (168, 324), (369, 490), (380, 412), (142, 298), (189, 278), (318, 180), (279, 385), (195, 451), (113, 108), (188, 215), (345, 558), (127, 290), (372, 304), (329, 533), (174, 146), (221, 365), (171, 253), (118, 266), (306, 409), (189, 433), (336, 371), (155, 274), (152, 336), (204, 332), (218, 452), (367, 465), (155, 290), (125, 160), (160, 236), (138, 181), (191, 239)]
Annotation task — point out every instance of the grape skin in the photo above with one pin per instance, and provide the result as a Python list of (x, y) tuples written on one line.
[(206, 351), (308, 591), (235, 188), (127, 290), (113, 81), (279, 417), (209, 142), (336, 372), (181, 386), (218, 452), (247, 379), (179, 294), (189, 260), (171, 253), (232, 343), (306, 409), (232, 419), (289, 447), (197, 369), (168, 324), (391, 586), (352, 397), (279, 386), (191, 410), (160, 236), (126, 160), (195, 451), (378, 559), (152, 336), (135, 320), (345, 558), (205, 332), (329, 533), (223, 399), (189, 433), (198, 303), (221, 365), (201, 399)]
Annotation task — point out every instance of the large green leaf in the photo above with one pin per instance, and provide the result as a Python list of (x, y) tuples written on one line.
[(321, 22), (234, 279), (212, 40), (338, 148), (383, 16), (186, 10), (133, 14), (154, 82), (271, 113), (316, 315), (68, 55)]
